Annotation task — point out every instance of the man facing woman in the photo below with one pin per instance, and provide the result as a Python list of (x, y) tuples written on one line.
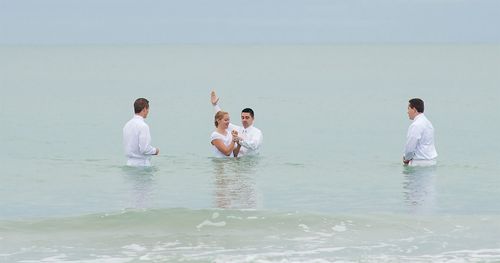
[(247, 137)]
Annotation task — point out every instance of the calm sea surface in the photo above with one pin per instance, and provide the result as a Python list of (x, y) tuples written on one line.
[(328, 187)]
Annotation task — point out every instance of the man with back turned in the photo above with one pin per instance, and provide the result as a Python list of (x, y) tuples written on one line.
[(419, 148), (137, 138)]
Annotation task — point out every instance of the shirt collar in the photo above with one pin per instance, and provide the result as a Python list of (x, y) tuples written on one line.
[(248, 128), (138, 117), (418, 116)]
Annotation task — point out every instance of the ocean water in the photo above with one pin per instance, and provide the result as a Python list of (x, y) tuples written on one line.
[(328, 186)]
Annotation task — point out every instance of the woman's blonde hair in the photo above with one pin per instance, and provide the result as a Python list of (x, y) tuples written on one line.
[(218, 116)]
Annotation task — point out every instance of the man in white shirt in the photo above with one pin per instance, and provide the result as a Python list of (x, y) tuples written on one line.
[(419, 148), (250, 138), (136, 136)]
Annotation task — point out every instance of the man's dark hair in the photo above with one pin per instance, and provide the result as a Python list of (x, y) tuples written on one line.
[(417, 104), (248, 110), (140, 104)]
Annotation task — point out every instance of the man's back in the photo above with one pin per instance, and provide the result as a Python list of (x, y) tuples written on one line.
[(136, 142), (422, 131)]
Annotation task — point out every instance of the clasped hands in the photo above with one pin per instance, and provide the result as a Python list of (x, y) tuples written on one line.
[(236, 139)]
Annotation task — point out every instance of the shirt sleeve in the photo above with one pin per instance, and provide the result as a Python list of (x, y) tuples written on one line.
[(216, 136), (145, 141), (217, 108), (414, 135), (254, 142)]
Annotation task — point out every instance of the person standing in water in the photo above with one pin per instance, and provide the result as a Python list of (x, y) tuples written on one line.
[(419, 148), (223, 139), (137, 138), (249, 137)]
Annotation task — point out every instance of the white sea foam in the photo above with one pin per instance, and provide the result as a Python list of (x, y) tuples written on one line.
[(210, 223), (324, 234), (304, 227), (56, 258), (339, 228), (164, 246), (215, 215), (234, 217), (135, 247)]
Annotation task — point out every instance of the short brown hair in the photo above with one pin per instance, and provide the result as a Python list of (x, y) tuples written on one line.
[(417, 104), (140, 104), (218, 116), (248, 110)]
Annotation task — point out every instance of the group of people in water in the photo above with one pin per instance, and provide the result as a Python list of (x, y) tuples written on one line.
[(229, 140), (233, 140)]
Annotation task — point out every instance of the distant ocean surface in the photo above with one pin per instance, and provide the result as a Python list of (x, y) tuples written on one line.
[(328, 186)]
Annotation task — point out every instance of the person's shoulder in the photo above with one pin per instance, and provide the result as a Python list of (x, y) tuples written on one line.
[(424, 117), (421, 120), (257, 129), (427, 122), (131, 123), (418, 124), (142, 123), (216, 135)]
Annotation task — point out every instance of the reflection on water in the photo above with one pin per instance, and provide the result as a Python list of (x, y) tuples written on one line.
[(419, 188), (235, 182), (142, 181)]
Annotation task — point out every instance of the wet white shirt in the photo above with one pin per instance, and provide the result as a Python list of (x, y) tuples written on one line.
[(137, 142), (420, 140), (226, 139), (250, 138)]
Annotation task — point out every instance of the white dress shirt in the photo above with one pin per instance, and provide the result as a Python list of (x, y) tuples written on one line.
[(137, 142), (250, 138), (226, 139), (420, 147)]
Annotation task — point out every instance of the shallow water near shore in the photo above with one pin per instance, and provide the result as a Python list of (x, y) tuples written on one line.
[(328, 186)]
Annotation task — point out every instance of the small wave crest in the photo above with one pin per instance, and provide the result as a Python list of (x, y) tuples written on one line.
[(247, 236)]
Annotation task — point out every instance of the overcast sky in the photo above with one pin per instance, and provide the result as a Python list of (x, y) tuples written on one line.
[(248, 21)]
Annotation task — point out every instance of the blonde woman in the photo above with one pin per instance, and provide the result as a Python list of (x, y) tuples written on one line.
[(223, 140)]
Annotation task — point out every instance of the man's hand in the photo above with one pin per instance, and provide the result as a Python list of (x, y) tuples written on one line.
[(406, 162), (213, 97), (157, 151)]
